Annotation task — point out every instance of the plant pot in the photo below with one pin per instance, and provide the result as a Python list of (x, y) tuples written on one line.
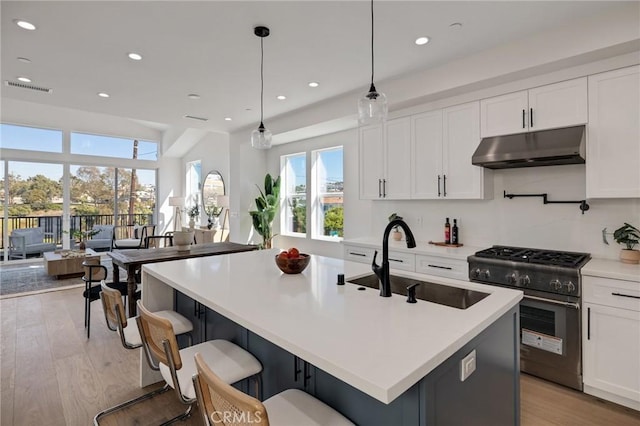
[(630, 256), (192, 223), (396, 235), (182, 240), (82, 246)]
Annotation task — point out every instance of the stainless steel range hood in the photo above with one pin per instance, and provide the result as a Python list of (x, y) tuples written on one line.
[(543, 148)]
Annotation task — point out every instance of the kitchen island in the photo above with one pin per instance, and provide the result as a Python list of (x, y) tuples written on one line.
[(375, 359)]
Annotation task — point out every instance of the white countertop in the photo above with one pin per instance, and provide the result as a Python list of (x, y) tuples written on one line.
[(381, 346), (611, 269), (421, 247)]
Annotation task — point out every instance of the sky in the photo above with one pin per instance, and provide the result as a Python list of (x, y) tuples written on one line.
[(333, 163)]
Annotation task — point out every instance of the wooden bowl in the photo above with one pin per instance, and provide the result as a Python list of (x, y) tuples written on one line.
[(293, 266)]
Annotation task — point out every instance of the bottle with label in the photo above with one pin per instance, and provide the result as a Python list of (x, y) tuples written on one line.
[(447, 232), (454, 232)]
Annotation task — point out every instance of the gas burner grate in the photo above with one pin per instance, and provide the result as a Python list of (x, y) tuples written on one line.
[(535, 256)]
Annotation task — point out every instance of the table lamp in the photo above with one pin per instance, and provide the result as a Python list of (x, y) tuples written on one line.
[(178, 204)]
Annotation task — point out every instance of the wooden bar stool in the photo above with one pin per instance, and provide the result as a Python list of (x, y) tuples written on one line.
[(177, 366), (222, 404)]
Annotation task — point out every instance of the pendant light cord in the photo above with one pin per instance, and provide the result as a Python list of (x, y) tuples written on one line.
[(261, 81), (372, 43)]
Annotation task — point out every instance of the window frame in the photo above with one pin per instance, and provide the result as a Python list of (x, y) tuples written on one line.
[(285, 213), (317, 227)]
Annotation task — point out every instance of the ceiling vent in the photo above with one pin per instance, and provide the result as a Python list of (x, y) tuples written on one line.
[(193, 117), (27, 86)]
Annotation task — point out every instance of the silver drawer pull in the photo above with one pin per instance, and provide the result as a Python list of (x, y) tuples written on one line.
[(553, 302), (440, 267), (396, 260), (625, 295), (357, 254)]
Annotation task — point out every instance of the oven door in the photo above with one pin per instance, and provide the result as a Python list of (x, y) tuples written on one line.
[(550, 340)]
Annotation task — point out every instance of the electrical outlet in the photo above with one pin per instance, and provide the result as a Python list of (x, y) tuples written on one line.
[(468, 365)]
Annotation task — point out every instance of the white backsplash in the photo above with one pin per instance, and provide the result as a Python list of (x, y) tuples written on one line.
[(525, 222)]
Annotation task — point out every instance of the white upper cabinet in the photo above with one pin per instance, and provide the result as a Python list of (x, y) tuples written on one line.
[(613, 134), (442, 145), (371, 161), (426, 155), (546, 107), (385, 154)]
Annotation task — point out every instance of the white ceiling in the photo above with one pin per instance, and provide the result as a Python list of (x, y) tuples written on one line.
[(208, 48)]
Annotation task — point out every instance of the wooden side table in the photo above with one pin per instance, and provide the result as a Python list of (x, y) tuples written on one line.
[(60, 265), (204, 235)]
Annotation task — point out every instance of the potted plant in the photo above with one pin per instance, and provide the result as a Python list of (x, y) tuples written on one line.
[(629, 236), (395, 234), (193, 212), (79, 236), (265, 212)]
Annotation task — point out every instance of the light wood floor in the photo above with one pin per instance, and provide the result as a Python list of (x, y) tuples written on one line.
[(51, 374)]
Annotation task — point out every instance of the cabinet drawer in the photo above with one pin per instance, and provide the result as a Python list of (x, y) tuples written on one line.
[(443, 267), (358, 254), (610, 292), (400, 260)]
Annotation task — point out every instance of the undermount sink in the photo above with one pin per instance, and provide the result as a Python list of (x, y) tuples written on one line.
[(455, 297)]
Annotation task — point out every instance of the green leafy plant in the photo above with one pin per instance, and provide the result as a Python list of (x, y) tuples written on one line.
[(79, 235), (193, 211), (627, 235), (266, 206), (394, 216)]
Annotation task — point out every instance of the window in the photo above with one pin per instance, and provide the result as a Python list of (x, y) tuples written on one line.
[(323, 217), (106, 146), (327, 193), (30, 138), (193, 179), (294, 194)]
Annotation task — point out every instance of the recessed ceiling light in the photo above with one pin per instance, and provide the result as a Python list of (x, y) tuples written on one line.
[(24, 24), (193, 96), (25, 60), (422, 40), (227, 119), (135, 56), (456, 25), (103, 95), (281, 97), (24, 79), (314, 84)]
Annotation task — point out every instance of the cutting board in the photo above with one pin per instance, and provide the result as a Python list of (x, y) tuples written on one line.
[(443, 244)]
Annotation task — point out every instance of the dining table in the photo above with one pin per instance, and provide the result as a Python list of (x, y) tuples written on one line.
[(132, 260)]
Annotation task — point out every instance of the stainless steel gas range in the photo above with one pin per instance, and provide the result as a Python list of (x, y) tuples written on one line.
[(550, 328)]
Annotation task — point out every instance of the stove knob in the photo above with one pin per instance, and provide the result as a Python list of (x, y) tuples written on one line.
[(475, 273), (571, 287), (485, 274), (555, 284), (525, 281), (511, 278)]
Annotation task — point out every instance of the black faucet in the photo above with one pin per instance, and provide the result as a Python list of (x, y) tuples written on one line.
[(383, 271)]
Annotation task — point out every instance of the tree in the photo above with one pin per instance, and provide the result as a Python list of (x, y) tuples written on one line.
[(334, 221), (299, 212)]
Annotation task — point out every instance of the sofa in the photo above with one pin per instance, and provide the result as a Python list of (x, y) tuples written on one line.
[(101, 240), (26, 241), (131, 236)]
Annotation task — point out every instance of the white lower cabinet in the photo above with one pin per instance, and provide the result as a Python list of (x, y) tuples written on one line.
[(397, 260), (442, 267), (358, 253), (611, 340)]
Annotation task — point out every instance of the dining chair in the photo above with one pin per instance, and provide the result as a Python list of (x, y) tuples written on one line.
[(157, 241), (177, 366), (222, 404), (94, 273), (114, 315)]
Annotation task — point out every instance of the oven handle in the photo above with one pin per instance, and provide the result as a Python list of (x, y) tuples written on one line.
[(555, 302)]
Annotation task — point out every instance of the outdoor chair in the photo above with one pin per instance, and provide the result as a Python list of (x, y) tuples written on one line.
[(131, 236), (222, 404), (102, 238), (177, 366), (23, 242)]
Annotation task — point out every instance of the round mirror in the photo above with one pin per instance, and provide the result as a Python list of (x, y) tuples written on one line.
[(212, 188)]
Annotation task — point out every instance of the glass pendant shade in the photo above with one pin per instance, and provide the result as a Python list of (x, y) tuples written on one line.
[(372, 107), (261, 138)]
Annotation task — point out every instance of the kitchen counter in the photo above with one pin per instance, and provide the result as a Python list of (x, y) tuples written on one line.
[(611, 269), (422, 247), (380, 346)]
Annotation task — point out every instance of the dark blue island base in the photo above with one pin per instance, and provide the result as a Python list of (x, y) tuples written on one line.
[(489, 396)]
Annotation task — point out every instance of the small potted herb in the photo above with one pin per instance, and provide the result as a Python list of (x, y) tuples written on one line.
[(395, 234), (629, 236), (194, 213)]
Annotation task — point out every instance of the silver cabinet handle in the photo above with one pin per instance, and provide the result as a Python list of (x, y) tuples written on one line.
[(439, 186), (353, 253), (444, 185), (620, 295), (396, 260), (384, 188), (440, 267), (379, 188)]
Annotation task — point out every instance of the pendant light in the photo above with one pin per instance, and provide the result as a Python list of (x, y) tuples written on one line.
[(372, 107), (261, 137)]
